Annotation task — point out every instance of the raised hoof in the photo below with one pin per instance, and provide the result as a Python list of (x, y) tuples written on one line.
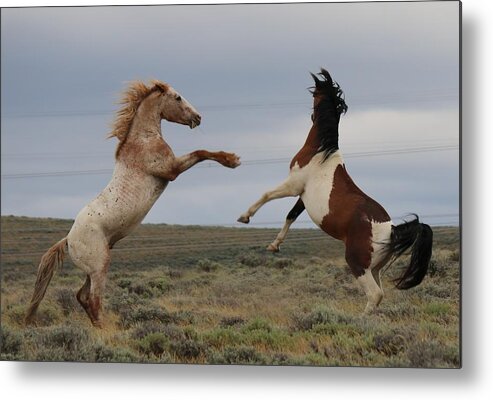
[(235, 162), (229, 160), (273, 248), (243, 219)]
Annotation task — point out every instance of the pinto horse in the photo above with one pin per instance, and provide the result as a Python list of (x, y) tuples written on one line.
[(144, 166), (319, 177)]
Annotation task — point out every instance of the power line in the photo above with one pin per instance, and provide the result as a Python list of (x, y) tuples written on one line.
[(290, 148), (244, 163), (358, 101)]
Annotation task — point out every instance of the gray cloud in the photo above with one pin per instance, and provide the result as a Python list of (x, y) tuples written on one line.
[(246, 69)]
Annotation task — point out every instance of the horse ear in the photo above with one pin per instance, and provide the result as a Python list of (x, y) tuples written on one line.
[(326, 75), (161, 86), (317, 81)]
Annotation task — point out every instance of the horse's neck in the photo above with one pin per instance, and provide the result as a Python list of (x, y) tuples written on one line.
[(309, 149), (312, 140), (147, 121)]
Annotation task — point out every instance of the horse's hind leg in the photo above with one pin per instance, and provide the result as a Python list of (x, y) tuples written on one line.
[(98, 281), (298, 208), (95, 263), (359, 258), (83, 295), (373, 291)]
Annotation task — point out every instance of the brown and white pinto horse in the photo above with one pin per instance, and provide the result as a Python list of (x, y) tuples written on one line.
[(144, 166), (319, 177)]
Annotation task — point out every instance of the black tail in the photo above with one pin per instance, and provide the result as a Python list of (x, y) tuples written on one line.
[(418, 236)]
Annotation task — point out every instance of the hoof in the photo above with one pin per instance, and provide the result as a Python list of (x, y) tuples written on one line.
[(273, 248), (97, 324), (243, 219), (235, 162), (230, 160)]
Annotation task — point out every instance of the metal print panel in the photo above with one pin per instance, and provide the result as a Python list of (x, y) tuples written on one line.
[(269, 184)]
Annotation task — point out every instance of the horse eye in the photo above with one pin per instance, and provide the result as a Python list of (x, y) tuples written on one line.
[(178, 98)]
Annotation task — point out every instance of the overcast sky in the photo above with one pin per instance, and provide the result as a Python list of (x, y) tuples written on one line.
[(246, 69)]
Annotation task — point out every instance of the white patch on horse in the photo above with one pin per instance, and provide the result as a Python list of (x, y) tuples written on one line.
[(319, 181), (380, 232), (372, 290)]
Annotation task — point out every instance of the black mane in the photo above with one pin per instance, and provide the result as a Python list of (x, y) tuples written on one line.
[(328, 111)]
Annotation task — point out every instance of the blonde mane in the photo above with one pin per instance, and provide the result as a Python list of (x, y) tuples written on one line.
[(136, 92)]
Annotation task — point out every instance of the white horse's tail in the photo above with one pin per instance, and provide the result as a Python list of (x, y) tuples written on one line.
[(50, 261)]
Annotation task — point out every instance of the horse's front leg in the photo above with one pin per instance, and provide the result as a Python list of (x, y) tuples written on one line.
[(290, 187), (181, 164)]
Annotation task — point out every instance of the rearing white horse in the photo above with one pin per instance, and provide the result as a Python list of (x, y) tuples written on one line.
[(144, 166)]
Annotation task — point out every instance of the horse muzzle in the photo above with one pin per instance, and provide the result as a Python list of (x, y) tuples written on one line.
[(195, 121)]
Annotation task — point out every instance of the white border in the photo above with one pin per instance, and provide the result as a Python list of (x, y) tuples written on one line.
[(92, 381)]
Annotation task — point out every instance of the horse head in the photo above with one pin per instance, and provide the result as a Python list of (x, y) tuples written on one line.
[(174, 108)]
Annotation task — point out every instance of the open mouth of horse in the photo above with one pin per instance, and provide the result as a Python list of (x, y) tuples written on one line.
[(194, 122)]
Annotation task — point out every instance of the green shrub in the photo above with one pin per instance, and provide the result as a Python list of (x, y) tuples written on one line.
[(146, 288), (160, 285), (252, 260), (68, 301), (61, 343), (153, 344), (320, 315), (123, 301), (222, 337), (10, 343), (231, 321), (47, 316), (207, 265), (440, 310), (389, 343), (131, 317), (273, 340), (257, 324), (281, 359), (104, 354), (237, 355), (70, 338), (186, 349), (281, 263), (147, 327), (124, 283), (432, 354)]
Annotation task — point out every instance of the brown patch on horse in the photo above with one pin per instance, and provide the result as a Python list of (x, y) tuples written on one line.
[(346, 200), (131, 100), (351, 212), (359, 244), (309, 149)]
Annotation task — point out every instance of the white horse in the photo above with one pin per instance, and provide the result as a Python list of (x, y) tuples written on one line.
[(144, 166)]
